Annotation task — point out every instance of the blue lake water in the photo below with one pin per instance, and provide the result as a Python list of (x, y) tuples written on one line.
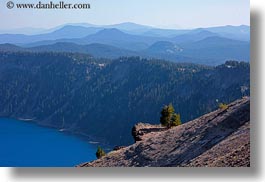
[(25, 144)]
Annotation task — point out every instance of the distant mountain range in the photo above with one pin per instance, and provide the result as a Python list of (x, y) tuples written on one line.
[(235, 32), (204, 45)]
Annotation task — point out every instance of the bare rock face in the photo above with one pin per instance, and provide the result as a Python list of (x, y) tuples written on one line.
[(218, 139), (141, 129)]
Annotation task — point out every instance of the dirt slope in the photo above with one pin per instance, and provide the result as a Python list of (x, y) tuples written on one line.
[(220, 138)]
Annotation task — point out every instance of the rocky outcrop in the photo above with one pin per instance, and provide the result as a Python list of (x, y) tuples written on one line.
[(220, 138), (141, 129)]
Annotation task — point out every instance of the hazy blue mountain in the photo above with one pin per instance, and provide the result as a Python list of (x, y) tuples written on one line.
[(81, 24), (192, 36), (232, 32), (212, 50), (95, 49), (113, 37), (164, 32), (69, 32), (127, 27), (10, 48), (112, 43), (215, 41), (15, 39), (203, 45), (217, 49), (120, 39), (130, 27), (76, 30)]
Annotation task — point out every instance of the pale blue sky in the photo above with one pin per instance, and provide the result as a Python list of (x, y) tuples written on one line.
[(160, 13)]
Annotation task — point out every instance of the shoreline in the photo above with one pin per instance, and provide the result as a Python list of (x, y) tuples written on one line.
[(82, 136)]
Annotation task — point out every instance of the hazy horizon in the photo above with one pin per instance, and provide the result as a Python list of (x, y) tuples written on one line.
[(54, 28), (169, 14)]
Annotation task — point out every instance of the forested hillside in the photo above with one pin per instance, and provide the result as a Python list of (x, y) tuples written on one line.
[(105, 98)]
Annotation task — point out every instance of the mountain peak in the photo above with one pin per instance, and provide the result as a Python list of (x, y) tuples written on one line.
[(201, 31), (72, 29), (129, 26), (9, 47), (110, 31)]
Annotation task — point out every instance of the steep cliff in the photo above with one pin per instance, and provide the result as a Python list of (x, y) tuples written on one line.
[(220, 138)]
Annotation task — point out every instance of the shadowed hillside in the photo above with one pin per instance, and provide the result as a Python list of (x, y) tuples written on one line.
[(100, 97)]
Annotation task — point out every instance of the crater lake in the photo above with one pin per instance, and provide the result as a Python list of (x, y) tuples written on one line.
[(26, 144)]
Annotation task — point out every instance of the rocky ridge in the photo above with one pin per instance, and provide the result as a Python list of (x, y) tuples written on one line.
[(218, 139)]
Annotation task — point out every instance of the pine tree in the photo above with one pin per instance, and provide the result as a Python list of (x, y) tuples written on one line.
[(100, 153), (164, 116), (167, 115), (175, 120)]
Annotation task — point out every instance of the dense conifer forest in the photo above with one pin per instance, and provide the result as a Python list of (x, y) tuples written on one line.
[(104, 98)]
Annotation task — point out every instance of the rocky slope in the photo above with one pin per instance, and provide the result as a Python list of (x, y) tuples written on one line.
[(220, 139)]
